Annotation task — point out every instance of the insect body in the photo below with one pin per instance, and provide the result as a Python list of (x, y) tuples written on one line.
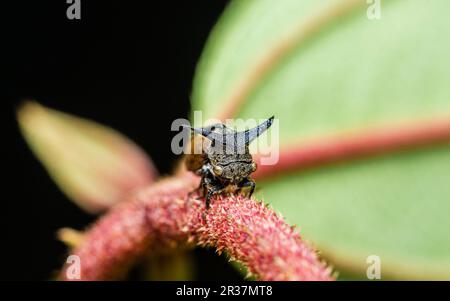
[(226, 161)]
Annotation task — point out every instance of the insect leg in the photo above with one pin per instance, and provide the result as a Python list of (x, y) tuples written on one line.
[(216, 188), (247, 183), (208, 181), (200, 187), (207, 178)]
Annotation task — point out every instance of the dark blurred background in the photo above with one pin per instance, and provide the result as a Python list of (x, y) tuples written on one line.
[(125, 64)]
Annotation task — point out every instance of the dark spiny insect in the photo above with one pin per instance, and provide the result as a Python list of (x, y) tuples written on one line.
[(225, 161)]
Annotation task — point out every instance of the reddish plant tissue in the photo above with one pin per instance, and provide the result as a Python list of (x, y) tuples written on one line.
[(163, 217)]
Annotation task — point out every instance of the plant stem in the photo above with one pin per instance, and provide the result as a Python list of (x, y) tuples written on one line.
[(164, 217)]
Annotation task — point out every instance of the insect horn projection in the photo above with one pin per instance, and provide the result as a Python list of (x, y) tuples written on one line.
[(225, 161)]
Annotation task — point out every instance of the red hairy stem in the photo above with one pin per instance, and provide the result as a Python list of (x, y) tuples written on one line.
[(365, 143), (164, 217)]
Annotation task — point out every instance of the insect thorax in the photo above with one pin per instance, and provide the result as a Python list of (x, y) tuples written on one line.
[(225, 158), (235, 167)]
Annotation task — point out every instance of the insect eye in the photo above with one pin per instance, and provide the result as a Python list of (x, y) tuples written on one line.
[(217, 170), (213, 128)]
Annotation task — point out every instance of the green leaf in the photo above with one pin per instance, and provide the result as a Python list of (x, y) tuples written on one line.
[(323, 68)]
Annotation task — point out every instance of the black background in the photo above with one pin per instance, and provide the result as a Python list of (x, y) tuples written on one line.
[(126, 64)]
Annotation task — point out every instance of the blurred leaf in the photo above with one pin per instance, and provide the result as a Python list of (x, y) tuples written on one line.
[(323, 68), (93, 164), (70, 237)]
